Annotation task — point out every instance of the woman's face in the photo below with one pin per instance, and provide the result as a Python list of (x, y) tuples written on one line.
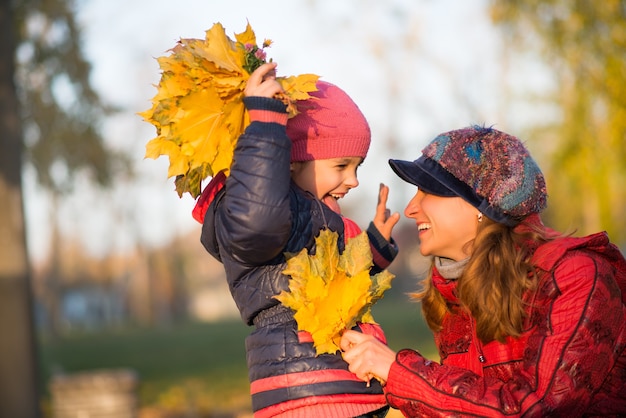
[(445, 224)]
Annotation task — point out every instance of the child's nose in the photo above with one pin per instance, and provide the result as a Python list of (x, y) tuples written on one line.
[(352, 181)]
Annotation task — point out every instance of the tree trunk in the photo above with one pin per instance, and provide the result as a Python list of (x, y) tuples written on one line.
[(19, 394)]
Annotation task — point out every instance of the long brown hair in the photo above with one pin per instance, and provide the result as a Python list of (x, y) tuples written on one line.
[(493, 282)]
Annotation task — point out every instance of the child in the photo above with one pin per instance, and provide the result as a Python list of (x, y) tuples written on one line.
[(284, 183), (528, 322)]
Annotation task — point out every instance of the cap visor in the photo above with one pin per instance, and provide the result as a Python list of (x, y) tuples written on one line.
[(412, 172)]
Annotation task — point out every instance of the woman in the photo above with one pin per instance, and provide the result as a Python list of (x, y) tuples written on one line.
[(527, 322)]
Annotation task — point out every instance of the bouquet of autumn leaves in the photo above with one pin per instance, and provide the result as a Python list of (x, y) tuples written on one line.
[(330, 292), (198, 110)]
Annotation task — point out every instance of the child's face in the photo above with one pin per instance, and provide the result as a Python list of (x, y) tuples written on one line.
[(328, 180)]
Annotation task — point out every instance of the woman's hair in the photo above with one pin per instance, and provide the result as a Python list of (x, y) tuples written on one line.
[(493, 282)]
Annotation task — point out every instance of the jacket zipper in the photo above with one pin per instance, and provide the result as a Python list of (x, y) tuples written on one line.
[(481, 356), (479, 345)]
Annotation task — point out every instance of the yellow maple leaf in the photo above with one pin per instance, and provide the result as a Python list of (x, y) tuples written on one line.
[(247, 36), (222, 51), (329, 292), (198, 110)]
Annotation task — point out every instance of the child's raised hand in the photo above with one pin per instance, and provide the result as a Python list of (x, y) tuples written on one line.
[(384, 220), (262, 82)]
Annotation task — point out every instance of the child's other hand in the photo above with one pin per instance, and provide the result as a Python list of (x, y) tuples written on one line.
[(262, 82), (384, 220)]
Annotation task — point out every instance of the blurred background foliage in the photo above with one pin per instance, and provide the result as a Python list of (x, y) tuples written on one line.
[(165, 311), (583, 150)]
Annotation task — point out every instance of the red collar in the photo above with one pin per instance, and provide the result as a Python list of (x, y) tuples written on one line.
[(208, 194)]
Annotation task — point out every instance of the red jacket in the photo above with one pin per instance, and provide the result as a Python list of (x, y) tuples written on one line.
[(570, 362)]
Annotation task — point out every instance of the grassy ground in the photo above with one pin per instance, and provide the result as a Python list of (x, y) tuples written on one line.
[(197, 368)]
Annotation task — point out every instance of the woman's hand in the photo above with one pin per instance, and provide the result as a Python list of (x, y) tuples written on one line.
[(366, 356), (384, 220), (262, 82)]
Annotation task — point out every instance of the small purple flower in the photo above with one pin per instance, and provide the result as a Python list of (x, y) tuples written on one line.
[(260, 54), (249, 47)]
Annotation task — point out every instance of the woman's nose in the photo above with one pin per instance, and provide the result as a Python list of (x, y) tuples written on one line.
[(412, 208)]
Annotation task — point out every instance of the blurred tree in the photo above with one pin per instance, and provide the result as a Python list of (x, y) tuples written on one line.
[(48, 120), (18, 383), (584, 43)]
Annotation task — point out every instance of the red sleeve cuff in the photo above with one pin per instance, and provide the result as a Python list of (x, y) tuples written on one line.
[(267, 116)]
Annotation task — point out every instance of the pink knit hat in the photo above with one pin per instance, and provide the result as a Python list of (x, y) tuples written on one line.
[(330, 125)]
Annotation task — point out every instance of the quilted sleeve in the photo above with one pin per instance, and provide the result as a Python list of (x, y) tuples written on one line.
[(253, 222), (383, 251)]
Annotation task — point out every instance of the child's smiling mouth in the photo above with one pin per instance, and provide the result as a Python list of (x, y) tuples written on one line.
[(331, 201)]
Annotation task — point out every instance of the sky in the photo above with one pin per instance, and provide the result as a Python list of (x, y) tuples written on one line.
[(415, 68)]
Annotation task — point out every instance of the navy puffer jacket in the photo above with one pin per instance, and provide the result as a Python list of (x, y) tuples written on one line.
[(253, 221)]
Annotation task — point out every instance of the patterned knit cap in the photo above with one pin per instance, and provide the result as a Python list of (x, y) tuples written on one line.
[(330, 125), (491, 170)]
